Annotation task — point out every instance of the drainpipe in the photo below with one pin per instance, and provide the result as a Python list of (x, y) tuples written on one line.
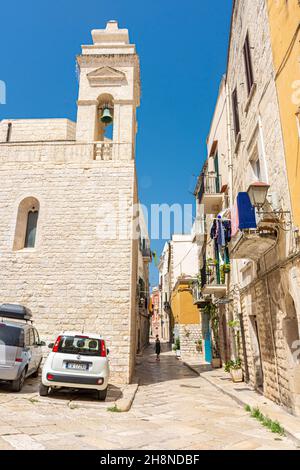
[(230, 161), (230, 183)]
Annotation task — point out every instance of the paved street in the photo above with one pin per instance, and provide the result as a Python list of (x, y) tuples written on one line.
[(173, 409)]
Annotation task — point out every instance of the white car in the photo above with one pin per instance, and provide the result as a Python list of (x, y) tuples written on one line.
[(77, 360)]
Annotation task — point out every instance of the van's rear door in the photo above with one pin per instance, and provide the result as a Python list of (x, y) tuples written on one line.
[(11, 339)]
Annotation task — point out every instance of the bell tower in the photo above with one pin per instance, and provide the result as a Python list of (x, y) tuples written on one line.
[(109, 93)]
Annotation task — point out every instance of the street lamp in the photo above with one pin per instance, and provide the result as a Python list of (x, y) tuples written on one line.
[(258, 192)]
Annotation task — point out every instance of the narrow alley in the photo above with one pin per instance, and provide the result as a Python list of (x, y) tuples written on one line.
[(173, 409)]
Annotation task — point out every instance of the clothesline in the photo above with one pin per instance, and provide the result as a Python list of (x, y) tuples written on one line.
[(221, 219)]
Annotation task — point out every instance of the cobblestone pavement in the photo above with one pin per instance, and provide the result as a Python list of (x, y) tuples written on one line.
[(173, 409)]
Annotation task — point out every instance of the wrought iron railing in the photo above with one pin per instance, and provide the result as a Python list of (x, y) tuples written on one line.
[(210, 184), (213, 276), (196, 291), (146, 252)]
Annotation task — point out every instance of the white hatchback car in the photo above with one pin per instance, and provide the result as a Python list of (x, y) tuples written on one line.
[(77, 361)]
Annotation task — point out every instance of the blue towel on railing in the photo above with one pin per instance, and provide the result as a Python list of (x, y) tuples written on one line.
[(246, 212)]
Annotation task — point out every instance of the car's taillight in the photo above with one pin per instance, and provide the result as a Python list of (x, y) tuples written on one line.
[(102, 348), (50, 377), (56, 344)]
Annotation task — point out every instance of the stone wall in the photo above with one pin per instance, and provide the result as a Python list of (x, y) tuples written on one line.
[(189, 335), (75, 278), (38, 130), (268, 301)]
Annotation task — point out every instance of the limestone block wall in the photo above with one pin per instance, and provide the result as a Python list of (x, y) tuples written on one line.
[(273, 345), (261, 111), (189, 335), (268, 300), (38, 130), (75, 278)]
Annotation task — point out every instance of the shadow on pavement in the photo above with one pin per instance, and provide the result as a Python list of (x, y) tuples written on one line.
[(149, 371), (31, 387)]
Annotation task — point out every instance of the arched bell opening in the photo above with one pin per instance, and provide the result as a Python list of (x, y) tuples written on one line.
[(105, 117)]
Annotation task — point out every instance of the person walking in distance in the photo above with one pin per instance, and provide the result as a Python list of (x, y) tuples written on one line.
[(157, 348)]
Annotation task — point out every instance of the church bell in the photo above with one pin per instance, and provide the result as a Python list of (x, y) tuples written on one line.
[(106, 116)]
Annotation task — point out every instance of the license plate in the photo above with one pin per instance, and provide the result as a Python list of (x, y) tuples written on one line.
[(77, 366)]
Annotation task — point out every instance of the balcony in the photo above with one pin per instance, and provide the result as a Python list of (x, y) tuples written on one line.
[(104, 151), (210, 194), (199, 300), (253, 243), (147, 255), (252, 235), (212, 281)]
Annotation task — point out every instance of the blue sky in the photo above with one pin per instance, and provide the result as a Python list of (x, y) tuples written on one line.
[(182, 48)]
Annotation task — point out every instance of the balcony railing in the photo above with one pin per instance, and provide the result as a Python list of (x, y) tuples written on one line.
[(104, 151), (146, 252), (213, 281), (210, 192), (213, 275), (109, 150), (210, 184)]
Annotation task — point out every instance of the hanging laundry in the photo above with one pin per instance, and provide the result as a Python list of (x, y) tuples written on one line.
[(234, 219), (227, 230), (220, 233)]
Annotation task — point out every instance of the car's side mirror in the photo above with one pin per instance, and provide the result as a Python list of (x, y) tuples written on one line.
[(50, 345), (107, 351)]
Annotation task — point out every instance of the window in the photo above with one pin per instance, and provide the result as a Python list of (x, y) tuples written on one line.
[(32, 218), (11, 336), (236, 118), (26, 226), (36, 336), (257, 170), (31, 337), (248, 64)]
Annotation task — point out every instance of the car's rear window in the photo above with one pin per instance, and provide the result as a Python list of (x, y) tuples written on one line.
[(11, 336), (79, 345)]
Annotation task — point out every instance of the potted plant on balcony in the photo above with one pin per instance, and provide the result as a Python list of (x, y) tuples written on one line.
[(211, 262), (227, 268), (176, 347)]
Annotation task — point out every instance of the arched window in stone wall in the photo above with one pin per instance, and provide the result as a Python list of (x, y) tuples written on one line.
[(26, 226)]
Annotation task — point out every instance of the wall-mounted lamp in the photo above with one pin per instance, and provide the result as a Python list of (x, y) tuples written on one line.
[(258, 192)]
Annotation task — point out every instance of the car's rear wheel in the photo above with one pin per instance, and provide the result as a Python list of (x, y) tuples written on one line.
[(36, 373), (102, 394), (17, 384), (43, 390)]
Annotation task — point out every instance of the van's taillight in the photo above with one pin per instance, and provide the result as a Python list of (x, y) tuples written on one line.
[(18, 359), (102, 349), (50, 377), (56, 344)]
